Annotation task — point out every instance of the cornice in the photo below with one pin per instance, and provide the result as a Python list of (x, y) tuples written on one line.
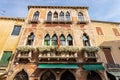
[(71, 7), (105, 22), (12, 18)]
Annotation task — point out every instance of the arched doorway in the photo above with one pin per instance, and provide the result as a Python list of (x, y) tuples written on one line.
[(48, 76), (111, 77), (67, 75), (93, 76), (22, 75)]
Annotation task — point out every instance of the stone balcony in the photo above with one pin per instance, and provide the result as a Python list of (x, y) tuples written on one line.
[(34, 21), (58, 53), (55, 54), (56, 20), (90, 53)]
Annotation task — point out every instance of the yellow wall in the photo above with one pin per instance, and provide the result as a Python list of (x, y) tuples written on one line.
[(8, 42), (108, 39)]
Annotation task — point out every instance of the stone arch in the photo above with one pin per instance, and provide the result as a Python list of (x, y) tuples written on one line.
[(69, 40), (21, 75), (30, 38), (54, 40), (92, 75), (47, 40), (62, 40), (67, 16), (49, 15), (67, 75), (86, 39), (47, 75), (36, 15), (81, 16)]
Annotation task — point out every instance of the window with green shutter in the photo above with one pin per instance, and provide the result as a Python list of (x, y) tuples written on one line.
[(5, 58)]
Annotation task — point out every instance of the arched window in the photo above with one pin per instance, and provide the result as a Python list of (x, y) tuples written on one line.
[(36, 16), (61, 16), (54, 40), (67, 76), (80, 17), (85, 39), (48, 76), (30, 39), (69, 40), (67, 16), (49, 16), (62, 40), (93, 76), (55, 16), (47, 40), (22, 75)]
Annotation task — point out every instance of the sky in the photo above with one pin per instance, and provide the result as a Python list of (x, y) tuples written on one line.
[(103, 10)]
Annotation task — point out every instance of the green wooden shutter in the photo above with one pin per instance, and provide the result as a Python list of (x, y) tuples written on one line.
[(5, 58)]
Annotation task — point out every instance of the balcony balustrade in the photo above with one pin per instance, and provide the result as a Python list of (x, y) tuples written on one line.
[(56, 20), (62, 53), (90, 53), (34, 21)]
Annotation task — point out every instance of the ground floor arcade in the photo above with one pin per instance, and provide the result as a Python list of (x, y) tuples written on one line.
[(32, 72)]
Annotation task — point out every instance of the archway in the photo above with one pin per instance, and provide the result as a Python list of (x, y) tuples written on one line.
[(93, 76), (111, 77), (67, 75), (48, 76), (22, 75)]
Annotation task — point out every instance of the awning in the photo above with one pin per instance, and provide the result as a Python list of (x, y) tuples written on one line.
[(115, 73), (90, 67), (67, 66)]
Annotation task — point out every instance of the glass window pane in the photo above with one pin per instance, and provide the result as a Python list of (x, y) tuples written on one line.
[(49, 16), (47, 38), (62, 38), (47, 43), (84, 38), (54, 43), (62, 43), (69, 38), (54, 38), (16, 30)]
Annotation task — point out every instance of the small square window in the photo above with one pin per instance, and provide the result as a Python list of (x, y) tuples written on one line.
[(16, 30)]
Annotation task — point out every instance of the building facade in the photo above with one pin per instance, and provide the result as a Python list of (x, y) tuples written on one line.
[(60, 43)]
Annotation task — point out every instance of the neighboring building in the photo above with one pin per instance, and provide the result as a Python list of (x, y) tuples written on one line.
[(10, 29), (62, 43)]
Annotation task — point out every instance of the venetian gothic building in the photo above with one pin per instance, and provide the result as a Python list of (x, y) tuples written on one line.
[(59, 43)]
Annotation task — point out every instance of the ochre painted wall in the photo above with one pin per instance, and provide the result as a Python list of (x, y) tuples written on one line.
[(8, 42)]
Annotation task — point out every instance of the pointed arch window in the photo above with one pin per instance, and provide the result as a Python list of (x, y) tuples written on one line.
[(55, 16), (93, 76), (67, 75), (69, 40), (61, 16), (22, 75), (47, 40), (67, 16), (48, 76), (30, 39), (36, 16), (85, 39), (54, 40), (81, 17), (49, 16), (62, 40)]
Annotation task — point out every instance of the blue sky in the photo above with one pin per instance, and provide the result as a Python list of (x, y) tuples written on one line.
[(104, 10)]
